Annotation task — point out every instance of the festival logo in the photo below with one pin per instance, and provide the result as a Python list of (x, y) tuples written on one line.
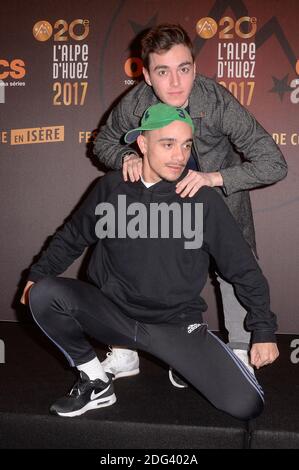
[(206, 28), (42, 31), (69, 61)]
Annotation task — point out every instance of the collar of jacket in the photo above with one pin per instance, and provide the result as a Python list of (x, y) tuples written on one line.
[(197, 100)]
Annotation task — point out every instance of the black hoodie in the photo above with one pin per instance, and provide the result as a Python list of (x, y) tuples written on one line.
[(158, 280)]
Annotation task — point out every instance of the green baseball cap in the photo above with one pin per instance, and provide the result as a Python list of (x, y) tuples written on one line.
[(157, 116)]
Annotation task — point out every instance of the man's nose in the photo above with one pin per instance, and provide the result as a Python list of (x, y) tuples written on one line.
[(179, 154), (174, 79)]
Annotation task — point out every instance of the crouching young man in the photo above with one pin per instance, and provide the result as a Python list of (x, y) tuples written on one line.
[(149, 265)]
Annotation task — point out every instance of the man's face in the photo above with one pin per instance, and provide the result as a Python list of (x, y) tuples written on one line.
[(165, 151), (171, 74)]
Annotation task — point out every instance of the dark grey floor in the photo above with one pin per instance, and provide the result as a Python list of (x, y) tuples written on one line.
[(149, 413)]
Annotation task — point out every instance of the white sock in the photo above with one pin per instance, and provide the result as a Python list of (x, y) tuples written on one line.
[(94, 370)]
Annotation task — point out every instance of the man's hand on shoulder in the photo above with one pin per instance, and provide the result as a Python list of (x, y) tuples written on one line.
[(194, 180), (132, 167), (262, 354)]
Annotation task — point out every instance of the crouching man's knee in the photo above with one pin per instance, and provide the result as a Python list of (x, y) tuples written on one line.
[(248, 407), (41, 296)]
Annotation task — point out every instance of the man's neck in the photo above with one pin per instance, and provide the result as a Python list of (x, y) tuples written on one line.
[(148, 184)]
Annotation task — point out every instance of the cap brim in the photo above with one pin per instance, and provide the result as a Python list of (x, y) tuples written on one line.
[(132, 135)]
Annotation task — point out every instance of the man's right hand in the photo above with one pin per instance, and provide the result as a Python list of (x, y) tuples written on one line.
[(132, 167), (24, 298), (262, 354)]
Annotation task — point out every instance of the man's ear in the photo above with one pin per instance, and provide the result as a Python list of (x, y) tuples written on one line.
[(142, 143), (146, 76)]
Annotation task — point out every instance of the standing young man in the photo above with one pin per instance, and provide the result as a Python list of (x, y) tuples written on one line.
[(147, 272), (231, 152)]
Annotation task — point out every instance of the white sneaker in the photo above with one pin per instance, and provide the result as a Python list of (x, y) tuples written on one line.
[(244, 357), (121, 363)]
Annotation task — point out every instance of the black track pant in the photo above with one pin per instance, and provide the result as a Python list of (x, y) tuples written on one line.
[(67, 310)]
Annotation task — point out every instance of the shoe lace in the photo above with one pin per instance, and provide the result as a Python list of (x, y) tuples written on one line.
[(110, 356), (79, 387)]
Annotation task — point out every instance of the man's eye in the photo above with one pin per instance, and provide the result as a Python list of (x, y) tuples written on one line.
[(185, 69), (162, 72), (167, 146)]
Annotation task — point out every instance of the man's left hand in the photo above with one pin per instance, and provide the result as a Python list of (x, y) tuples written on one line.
[(194, 180), (262, 354)]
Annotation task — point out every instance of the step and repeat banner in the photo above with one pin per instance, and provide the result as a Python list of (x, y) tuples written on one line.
[(63, 64)]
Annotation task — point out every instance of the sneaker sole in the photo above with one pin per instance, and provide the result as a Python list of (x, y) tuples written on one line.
[(92, 405), (129, 373), (174, 383)]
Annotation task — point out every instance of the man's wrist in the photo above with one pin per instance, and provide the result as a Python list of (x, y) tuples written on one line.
[(216, 179)]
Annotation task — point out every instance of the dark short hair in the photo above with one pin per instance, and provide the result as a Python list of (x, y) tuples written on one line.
[(162, 38)]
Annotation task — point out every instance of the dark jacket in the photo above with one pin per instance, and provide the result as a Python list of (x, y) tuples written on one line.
[(157, 279), (222, 124)]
